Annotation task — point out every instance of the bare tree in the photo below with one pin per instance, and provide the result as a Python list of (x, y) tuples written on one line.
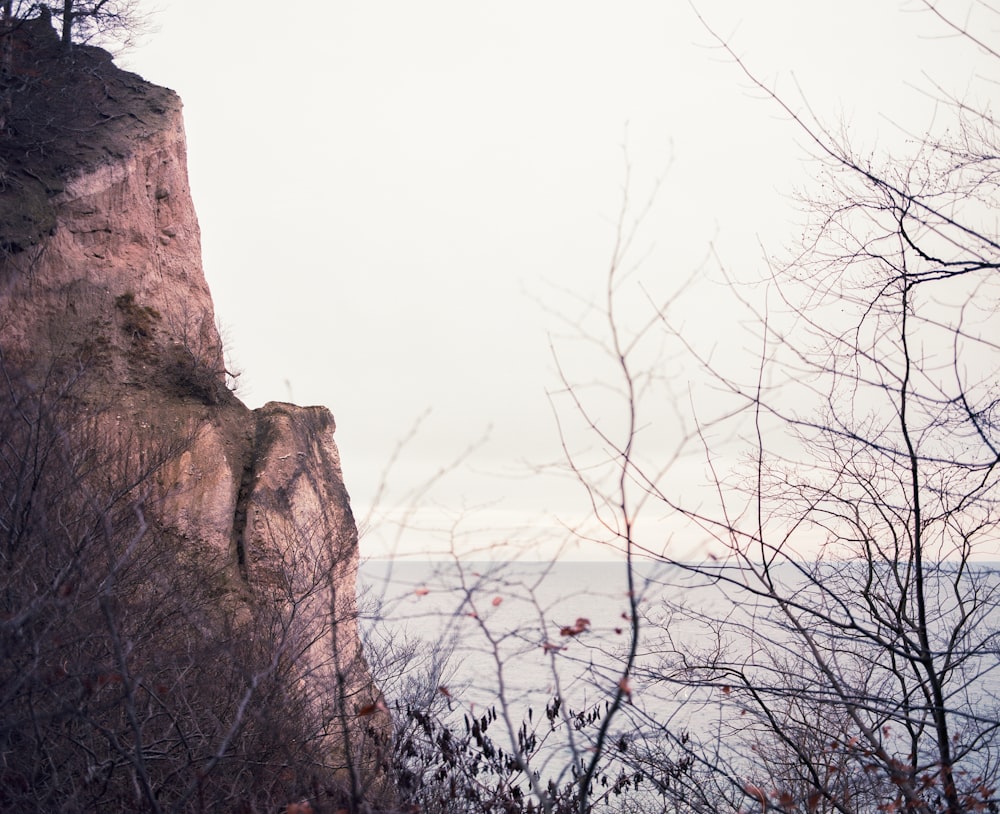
[(99, 21), (491, 742), (845, 628), (137, 673), (95, 22)]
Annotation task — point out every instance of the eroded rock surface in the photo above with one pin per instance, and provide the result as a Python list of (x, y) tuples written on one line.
[(102, 294)]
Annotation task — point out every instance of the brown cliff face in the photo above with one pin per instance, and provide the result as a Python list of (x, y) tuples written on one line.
[(107, 328)]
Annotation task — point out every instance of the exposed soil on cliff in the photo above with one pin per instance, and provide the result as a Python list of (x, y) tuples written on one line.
[(177, 559), (67, 111)]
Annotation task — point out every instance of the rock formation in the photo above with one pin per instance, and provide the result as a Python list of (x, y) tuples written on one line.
[(107, 331)]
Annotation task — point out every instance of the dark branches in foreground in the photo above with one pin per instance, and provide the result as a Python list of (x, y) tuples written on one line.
[(846, 627), (818, 628), (136, 673)]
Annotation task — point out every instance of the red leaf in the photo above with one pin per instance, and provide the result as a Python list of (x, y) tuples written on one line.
[(371, 709), (579, 626)]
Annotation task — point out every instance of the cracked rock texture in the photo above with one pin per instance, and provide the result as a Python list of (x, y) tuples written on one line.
[(101, 272)]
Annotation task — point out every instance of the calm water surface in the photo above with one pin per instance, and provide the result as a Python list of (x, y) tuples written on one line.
[(529, 631)]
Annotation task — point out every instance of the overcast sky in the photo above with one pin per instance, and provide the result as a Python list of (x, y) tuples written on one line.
[(397, 198)]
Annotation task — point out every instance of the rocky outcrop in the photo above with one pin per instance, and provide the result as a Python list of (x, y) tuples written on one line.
[(103, 297)]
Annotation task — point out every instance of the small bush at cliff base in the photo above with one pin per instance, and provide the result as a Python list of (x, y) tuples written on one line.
[(128, 681), (451, 766)]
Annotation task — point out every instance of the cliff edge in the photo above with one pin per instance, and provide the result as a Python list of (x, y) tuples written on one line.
[(178, 570)]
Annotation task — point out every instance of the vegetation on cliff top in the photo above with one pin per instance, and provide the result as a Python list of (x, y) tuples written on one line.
[(63, 111)]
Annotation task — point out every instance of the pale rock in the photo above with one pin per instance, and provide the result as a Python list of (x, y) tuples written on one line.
[(116, 288)]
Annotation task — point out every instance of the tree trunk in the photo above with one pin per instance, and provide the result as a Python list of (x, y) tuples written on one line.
[(67, 23), (6, 64)]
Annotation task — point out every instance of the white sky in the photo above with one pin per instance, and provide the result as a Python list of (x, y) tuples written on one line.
[(389, 191)]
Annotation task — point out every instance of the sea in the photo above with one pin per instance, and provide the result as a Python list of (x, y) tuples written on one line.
[(527, 629), (472, 637)]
